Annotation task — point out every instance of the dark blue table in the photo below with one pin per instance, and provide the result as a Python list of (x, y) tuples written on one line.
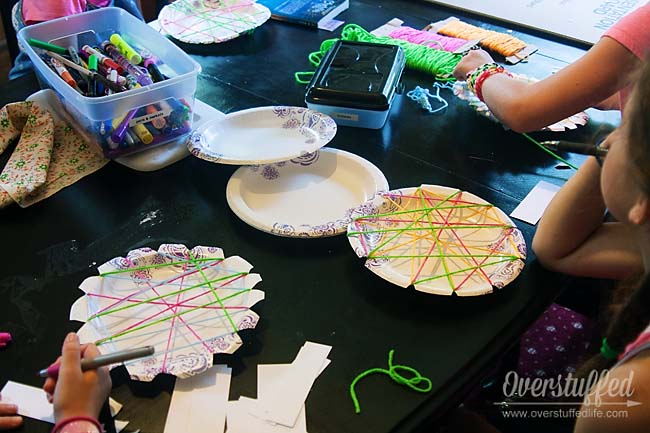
[(315, 289)]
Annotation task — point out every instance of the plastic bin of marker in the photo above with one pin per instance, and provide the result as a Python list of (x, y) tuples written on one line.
[(171, 100)]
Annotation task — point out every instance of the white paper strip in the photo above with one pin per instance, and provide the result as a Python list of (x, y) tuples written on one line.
[(284, 397), (198, 404)]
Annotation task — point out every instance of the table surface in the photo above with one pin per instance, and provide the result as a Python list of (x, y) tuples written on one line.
[(316, 289)]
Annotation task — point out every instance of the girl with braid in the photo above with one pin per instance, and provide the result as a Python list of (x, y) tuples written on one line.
[(572, 238)]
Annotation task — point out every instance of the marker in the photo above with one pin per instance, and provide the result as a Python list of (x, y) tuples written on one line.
[(156, 75), (50, 47), (158, 122), (142, 78), (64, 74), (102, 360), (179, 112), (5, 338), (571, 147), (95, 75), (92, 85), (130, 139), (103, 59), (143, 133), (126, 49), (118, 133)]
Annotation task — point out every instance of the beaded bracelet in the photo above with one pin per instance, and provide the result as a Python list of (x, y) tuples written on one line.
[(478, 85), (472, 75), (60, 426)]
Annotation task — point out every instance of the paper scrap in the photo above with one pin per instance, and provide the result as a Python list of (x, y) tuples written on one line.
[(533, 206), (31, 401), (199, 402), (240, 419), (330, 25), (115, 406), (120, 425), (287, 394)]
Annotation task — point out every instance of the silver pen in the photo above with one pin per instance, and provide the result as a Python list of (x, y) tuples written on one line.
[(102, 360)]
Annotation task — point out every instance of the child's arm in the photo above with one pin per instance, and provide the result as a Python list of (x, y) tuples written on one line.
[(593, 78), (626, 419), (571, 237)]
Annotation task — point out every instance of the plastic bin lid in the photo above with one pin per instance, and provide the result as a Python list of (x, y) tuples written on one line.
[(357, 75)]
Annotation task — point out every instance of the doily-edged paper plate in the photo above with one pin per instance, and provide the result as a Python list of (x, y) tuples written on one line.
[(440, 240), (188, 304), (316, 195), (211, 21), (462, 92), (262, 135)]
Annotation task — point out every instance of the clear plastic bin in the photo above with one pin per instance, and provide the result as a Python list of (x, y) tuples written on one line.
[(171, 100)]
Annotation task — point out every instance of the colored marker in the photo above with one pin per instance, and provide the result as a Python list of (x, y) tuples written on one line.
[(5, 338), (156, 75), (104, 60), (126, 49), (92, 85), (95, 75), (142, 78), (50, 47), (130, 139), (63, 73), (159, 121), (102, 360), (143, 133), (118, 133)]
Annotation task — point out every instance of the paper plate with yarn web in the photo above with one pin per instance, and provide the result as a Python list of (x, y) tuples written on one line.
[(440, 240), (211, 21), (188, 304)]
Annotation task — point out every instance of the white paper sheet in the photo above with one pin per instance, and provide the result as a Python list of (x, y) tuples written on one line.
[(533, 206), (31, 401), (282, 399), (198, 404)]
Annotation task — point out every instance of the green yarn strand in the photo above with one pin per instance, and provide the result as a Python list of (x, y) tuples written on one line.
[(393, 372)]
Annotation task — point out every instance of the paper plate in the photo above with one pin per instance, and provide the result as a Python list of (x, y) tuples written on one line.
[(315, 195), (262, 135), (440, 240), (188, 304), (211, 21), (462, 92)]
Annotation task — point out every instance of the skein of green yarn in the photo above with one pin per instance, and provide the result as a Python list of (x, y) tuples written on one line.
[(438, 63)]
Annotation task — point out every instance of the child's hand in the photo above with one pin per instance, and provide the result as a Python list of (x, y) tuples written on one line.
[(470, 61), (9, 418), (75, 392)]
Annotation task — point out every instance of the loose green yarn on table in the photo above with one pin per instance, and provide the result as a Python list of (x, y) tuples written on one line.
[(438, 63), (413, 382)]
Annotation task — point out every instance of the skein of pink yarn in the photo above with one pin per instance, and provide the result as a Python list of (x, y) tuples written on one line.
[(431, 40)]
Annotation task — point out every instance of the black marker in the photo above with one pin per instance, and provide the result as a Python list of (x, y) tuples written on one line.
[(571, 147)]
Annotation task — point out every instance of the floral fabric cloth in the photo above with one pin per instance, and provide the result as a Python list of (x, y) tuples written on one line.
[(49, 155)]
